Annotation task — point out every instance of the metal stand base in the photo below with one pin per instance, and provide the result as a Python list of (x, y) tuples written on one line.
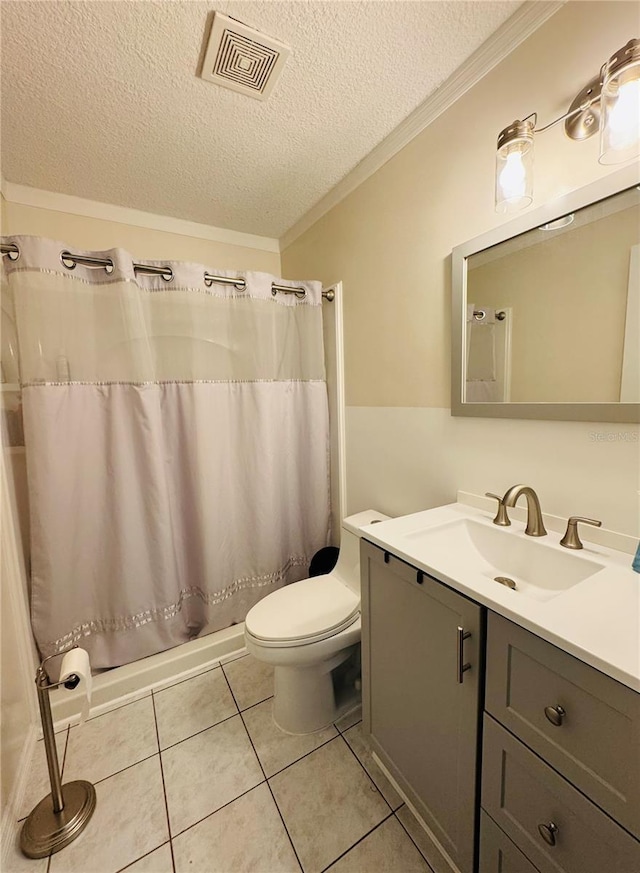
[(45, 831)]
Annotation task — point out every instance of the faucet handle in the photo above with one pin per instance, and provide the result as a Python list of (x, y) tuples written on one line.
[(501, 517), (571, 539)]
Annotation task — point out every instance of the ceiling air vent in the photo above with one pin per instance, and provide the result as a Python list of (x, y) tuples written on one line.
[(241, 58)]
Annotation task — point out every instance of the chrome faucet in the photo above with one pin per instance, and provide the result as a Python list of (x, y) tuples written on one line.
[(535, 526)]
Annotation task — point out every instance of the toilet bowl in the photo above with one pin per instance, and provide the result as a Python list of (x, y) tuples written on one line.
[(309, 632)]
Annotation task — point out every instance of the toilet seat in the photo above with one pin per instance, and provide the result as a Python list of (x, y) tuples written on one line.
[(304, 612)]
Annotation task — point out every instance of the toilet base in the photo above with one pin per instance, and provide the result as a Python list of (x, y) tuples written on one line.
[(305, 697)]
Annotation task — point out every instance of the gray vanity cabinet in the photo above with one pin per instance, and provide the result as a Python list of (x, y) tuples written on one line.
[(422, 647), (497, 852), (561, 759), (583, 723)]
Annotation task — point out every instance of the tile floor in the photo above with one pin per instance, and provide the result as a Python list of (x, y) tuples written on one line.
[(196, 777)]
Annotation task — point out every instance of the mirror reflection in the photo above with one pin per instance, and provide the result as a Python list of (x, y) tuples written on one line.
[(553, 315)]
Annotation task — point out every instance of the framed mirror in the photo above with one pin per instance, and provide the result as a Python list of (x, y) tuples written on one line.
[(546, 310)]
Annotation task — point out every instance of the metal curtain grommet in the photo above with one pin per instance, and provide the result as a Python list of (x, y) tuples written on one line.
[(67, 256)]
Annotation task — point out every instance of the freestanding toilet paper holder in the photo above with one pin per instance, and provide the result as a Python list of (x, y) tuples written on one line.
[(63, 814)]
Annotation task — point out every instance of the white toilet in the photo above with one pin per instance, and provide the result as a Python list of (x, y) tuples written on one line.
[(307, 630)]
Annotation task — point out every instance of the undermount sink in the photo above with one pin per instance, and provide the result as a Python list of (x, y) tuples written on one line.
[(538, 570)]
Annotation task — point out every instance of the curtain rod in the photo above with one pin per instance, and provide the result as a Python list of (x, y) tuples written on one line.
[(70, 261), (479, 315)]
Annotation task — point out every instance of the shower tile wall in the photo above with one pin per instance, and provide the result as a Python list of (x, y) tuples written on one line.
[(196, 777)]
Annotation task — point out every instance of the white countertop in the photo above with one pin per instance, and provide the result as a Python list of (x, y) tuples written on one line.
[(597, 620)]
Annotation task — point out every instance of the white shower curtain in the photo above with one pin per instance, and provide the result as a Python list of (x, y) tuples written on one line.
[(177, 447), (481, 382)]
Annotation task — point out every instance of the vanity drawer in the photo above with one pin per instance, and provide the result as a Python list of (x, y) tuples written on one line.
[(497, 853), (524, 797), (596, 741)]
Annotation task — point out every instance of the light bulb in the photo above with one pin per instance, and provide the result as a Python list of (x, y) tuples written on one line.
[(624, 118), (514, 167), (620, 106), (513, 177)]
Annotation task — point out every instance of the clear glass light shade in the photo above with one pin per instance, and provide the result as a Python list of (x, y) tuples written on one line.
[(620, 118), (514, 175)]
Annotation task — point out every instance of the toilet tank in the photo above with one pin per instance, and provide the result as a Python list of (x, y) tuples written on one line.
[(348, 567)]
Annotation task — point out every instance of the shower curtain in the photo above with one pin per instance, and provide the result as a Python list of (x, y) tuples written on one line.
[(481, 382), (177, 447)]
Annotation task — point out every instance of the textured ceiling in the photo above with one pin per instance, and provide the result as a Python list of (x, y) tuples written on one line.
[(102, 100)]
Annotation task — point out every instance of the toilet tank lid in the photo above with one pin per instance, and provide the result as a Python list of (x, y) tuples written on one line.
[(304, 609), (355, 522)]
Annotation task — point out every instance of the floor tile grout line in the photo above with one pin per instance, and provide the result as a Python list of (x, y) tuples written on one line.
[(277, 773), (401, 823), (144, 696), (201, 731), (128, 767), (291, 763), (257, 703), (341, 731), (302, 757), (146, 855), (253, 705), (231, 658), (286, 830), (284, 825), (226, 679), (367, 772), (117, 773), (164, 787), (273, 797), (64, 754), (209, 814), (61, 765), (357, 842), (147, 693)]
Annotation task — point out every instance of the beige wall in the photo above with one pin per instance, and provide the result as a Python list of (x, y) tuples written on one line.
[(390, 242), (142, 242), (568, 296)]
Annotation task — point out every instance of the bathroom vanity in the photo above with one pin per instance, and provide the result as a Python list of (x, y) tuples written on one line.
[(517, 754)]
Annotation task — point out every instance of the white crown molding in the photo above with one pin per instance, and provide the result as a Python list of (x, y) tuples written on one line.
[(527, 19), (42, 199)]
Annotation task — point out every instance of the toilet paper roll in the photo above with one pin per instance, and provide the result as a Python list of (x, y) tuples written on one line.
[(76, 663)]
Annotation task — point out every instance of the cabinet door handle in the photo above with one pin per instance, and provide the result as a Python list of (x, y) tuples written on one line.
[(460, 666), (555, 714), (548, 832)]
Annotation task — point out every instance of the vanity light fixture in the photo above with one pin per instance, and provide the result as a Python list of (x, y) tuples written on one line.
[(609, 103)]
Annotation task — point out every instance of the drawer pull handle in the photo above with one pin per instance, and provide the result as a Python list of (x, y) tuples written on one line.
[(555, 714), (548, 832), (461, 667)]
